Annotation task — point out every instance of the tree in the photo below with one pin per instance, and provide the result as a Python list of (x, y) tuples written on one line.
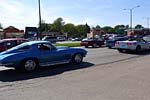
[(45, 26), (58, 24), (82, 30), (127, 27), (70, 29), (120, 29), (108, 29), (98, 26), (138, 26), (1, 26), (87, 28), (117, 27)]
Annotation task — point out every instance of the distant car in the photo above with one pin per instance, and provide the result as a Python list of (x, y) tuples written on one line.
[(94, 42), (76, 39), (10, 42), (30, 55), (111, 42), (61, 38), (132, 45), (50, 39)]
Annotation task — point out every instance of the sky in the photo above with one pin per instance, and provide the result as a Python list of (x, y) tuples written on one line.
[(22, 13)]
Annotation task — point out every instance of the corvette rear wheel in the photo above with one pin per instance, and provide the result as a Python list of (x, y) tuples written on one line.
[(77, 59), (27, 65)]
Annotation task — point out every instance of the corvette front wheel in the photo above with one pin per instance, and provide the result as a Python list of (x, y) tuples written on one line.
[(77, 59)]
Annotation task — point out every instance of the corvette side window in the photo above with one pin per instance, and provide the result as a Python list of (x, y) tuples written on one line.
[(43, 47)]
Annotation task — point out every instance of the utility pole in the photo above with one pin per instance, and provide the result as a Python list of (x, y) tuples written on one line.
[(131, 11), (39, 34)]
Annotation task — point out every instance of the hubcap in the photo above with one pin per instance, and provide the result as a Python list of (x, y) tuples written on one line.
[(78, 58), (30, 65), (95, 45)]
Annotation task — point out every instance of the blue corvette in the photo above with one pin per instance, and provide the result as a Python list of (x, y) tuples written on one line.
[(30, 55)]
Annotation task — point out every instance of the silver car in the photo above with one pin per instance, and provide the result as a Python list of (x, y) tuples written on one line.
[(132, 45)]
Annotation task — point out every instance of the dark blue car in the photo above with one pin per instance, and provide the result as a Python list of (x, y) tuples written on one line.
[(111, 42), (30, 55)]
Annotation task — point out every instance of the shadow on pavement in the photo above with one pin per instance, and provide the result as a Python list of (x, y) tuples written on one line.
[(11, 75), (146, 52)]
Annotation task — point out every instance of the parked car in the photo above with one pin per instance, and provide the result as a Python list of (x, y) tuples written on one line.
[(137, 45), (10, 42), (50, 39), (94, 42), (76, 39), (111, 42), (61, 38), (30, 55)]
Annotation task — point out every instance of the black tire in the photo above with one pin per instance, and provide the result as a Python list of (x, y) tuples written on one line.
[(95, 45), (120, 50), (28, 65), (77, 59), (110, 47), (86, 46), (138, 49)]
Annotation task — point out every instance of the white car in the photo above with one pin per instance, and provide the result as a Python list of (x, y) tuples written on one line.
[(132, 45)]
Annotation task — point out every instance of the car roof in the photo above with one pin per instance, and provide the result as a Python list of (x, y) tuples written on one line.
[(14, 39), (36, 42)]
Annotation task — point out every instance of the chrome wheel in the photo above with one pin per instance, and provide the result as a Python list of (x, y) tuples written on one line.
[(77, 59), (95, 45), (30, 65)]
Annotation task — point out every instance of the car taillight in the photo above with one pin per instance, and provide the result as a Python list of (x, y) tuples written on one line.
[(117, 43), (129, 43)]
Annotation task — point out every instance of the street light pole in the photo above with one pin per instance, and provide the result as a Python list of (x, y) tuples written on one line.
[(131, 11), (147, 22), (39, 35), (131, 19)]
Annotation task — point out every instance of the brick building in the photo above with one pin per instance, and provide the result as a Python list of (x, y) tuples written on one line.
[(95, 32), (138, 31), (12, 32)]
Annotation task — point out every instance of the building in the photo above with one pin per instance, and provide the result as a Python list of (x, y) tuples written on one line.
[(54, 33), (31, 33), (95, 32), (1, 34), (142, 31), (12, 32)]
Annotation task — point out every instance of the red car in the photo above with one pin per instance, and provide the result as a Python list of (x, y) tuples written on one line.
[(10, 42), (94, 42)]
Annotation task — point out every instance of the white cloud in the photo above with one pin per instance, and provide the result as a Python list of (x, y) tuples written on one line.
[(17, 14)]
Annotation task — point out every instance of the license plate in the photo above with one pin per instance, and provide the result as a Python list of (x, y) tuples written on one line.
[(85, 42), (123, 46)]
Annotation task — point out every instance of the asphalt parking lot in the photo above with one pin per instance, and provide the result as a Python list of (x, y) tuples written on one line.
[(105, 74)]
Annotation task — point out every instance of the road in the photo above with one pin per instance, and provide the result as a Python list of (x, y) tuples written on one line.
[(105, 74)]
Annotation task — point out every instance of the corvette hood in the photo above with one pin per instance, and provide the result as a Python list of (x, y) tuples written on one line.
[(62, 47), (8, 51)]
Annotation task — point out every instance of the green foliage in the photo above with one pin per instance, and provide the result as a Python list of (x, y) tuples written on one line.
[(45, 26), (1, 26), (108, 29), (98, 26), (68, 44), (138, 26), (70, 29), (87, 29), (81, 29), (58, 24), (117, 27)]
